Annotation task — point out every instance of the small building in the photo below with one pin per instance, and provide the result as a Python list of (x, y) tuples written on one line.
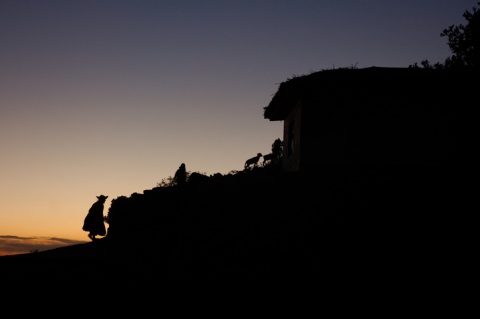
[(370, 116)]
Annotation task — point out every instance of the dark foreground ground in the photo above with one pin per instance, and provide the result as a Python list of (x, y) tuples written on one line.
[(381, 233)]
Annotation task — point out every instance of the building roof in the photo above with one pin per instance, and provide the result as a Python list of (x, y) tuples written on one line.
[(399, 82)]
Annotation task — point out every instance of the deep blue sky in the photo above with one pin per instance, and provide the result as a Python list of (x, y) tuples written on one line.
[(109, 97)]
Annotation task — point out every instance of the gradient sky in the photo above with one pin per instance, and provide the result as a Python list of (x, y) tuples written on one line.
[(110, 97)]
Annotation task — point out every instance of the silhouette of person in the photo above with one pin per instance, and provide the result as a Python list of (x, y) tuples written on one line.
[(94, 222), (180, 177)]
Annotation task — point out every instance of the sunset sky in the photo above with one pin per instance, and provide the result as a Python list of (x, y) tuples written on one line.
[(110, 97)]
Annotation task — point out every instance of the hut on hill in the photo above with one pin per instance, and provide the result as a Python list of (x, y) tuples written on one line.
[(370, 116)]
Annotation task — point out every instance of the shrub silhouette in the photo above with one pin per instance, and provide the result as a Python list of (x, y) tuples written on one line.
[(463, 41)]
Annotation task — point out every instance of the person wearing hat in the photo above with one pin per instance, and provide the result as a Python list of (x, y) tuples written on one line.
[(94, 221)]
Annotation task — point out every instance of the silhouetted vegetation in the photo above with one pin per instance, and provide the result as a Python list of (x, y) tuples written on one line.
[(259, 225), (262, 224), (463, 41)]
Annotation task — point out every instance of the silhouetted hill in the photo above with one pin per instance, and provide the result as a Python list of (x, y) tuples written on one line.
[(261, 224)]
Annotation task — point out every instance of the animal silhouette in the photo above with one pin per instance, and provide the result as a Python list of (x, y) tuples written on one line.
[(253, 161), (267, 158)]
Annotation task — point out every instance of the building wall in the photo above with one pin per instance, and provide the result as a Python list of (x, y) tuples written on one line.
[(365, 131), (292, 139), (386, 116)]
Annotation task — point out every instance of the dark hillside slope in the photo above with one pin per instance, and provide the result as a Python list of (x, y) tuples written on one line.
[(260, 224)]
